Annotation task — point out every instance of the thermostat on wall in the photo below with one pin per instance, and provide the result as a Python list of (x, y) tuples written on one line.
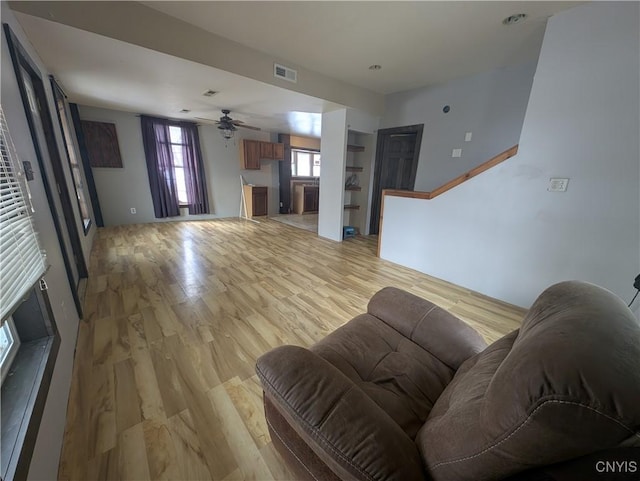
[(558, 185)]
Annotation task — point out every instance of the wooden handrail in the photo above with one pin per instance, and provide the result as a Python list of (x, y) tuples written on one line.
[(501, 157)]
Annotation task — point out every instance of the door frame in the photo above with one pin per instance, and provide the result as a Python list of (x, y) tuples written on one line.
[(21, 60), (376, 189), (60, 96), (88, 173)]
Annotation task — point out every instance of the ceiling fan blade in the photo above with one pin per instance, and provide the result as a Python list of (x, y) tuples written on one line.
[(207, 120), (233, 124)]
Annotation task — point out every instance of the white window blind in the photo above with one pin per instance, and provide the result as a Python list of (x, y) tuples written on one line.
[(21, 260)]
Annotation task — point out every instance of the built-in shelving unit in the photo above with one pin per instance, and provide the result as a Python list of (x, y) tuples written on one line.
[(354, 166), (355, 148)]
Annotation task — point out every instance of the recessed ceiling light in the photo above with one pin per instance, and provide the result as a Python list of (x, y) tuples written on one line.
[(513, 19), (375, 67), (209, 93)]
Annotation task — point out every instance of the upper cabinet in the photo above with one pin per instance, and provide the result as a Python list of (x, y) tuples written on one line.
[(266, 150), (253, 151), (250, 154), (278, 151)]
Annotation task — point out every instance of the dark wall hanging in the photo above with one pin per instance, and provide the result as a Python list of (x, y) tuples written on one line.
[(102, 144)]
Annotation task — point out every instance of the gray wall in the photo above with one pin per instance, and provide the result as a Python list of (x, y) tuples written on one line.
[(121, 189), (502, 233), (490, 105), (44, 464)]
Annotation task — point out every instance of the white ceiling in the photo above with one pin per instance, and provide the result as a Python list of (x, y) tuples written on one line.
[(417, 44), (102, 72)]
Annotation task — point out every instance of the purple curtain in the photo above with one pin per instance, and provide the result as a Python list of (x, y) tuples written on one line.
[(161, 168), (162, 177), (194, 176)]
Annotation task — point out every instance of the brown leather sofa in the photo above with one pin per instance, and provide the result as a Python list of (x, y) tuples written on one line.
[(408, 391)]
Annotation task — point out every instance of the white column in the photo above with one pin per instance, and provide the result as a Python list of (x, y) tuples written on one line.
[(333, 150)]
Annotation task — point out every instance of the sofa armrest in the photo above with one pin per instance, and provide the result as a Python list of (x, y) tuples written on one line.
[(441, 333), (341, 424)]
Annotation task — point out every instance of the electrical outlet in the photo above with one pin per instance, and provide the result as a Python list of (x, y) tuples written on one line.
[(456, 153), (133, 210)]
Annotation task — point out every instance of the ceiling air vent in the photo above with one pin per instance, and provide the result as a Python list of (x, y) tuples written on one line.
[(209, 93), (285, 73)]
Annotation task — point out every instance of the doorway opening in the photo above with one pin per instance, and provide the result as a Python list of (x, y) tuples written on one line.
[(299, 182)]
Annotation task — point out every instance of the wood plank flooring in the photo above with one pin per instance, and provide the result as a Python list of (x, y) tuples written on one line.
[(175, 316)]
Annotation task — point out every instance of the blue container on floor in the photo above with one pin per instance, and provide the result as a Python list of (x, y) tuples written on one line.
[(348, 231)]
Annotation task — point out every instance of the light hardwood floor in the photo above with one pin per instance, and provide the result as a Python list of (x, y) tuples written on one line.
[(176, 315)]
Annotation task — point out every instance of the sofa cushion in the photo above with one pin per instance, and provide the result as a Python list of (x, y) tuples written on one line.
[(402, 354), (397, 374), (565, 385), (432, 328), (340, 423)]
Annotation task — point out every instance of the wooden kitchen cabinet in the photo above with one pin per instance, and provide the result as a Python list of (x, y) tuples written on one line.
[(256, 199), (278, 151), (250, 154), (306, 199), (266, 150), (253, 151)]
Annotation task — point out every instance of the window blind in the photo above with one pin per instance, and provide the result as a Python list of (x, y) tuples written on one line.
[(21, 260)]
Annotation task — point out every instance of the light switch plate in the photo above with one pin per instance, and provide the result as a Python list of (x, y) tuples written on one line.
[(558, 184), (456, 153)]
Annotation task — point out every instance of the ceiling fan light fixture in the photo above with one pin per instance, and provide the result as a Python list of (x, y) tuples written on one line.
[(227, 126), (515, 18), (226, 131)]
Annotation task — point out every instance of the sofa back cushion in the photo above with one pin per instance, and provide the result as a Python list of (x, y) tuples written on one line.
[(565, 385)]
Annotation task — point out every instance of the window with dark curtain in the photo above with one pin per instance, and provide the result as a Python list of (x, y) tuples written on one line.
[(175, 166)]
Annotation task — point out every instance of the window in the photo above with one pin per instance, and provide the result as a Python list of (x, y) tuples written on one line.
[(9, 344), (177, 148), (175, 167), (21, 263), (305, 163), (76, 171)]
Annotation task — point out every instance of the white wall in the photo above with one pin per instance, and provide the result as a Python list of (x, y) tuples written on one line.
[(46, 455), (121, 189), (332, 174), (502, 233), (490, 105)]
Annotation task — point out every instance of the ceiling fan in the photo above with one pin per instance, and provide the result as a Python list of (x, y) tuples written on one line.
[(227, 125)]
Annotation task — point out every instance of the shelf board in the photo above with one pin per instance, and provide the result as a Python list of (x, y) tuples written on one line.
[(353, 169), (356, 188), (352, 207), (355, 148)]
